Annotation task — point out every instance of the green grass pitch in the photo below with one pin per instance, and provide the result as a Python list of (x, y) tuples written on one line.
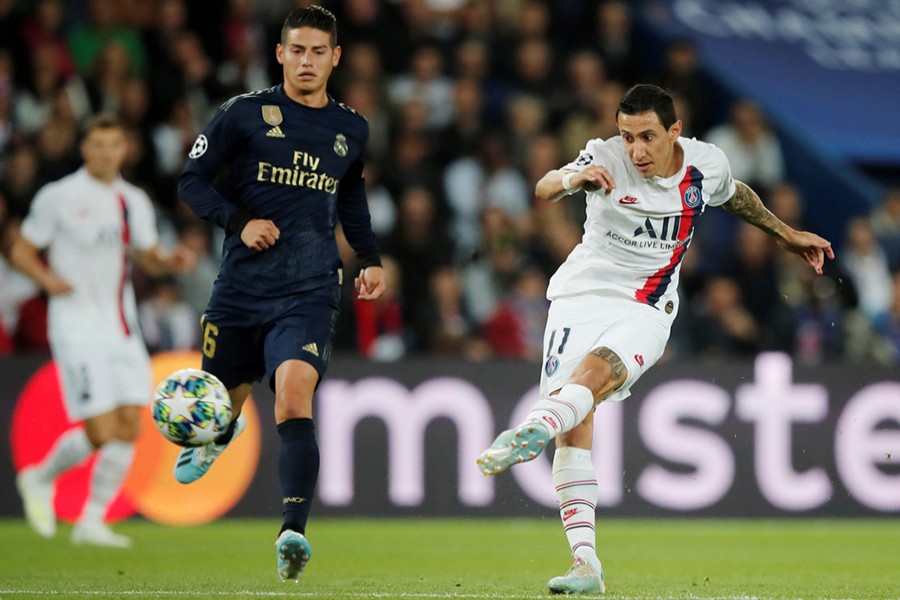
[(464, 558)]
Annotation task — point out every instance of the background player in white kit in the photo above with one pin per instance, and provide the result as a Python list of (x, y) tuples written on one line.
[(614, 299), (92, 223)]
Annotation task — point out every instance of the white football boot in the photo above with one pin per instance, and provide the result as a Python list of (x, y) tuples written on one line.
[(516, 445), (581, 578), (37, 499), (98, 534)]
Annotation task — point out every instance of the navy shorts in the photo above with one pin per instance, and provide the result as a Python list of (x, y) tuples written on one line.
[(245, 339)]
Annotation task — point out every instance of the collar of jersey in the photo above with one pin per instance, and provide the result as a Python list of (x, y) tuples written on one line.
[(285, 98), (83, 173)]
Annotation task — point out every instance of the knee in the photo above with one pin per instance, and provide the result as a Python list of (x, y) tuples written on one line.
[(128, 425), (129, 432), (293, 406), (589, 379), (594, 376), (290, 412), (97, 438)]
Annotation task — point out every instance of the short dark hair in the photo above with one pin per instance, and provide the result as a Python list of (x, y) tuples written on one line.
[(104, 120), (643, 98), (311, 16)]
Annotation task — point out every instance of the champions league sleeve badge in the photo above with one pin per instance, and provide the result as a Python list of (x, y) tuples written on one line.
[(200, 146)]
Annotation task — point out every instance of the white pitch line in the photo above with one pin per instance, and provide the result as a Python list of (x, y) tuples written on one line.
[(298, 594), (324, 593)]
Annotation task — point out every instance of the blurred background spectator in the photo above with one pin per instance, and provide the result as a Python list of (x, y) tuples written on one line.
[(167, 321), (751, 147), (381, 332), (885, 221)]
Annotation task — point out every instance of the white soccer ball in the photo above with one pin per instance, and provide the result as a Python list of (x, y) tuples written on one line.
[(191, 407)]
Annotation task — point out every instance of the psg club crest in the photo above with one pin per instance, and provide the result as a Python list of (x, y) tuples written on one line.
[(340, 145), (551, 366), (692, 196)]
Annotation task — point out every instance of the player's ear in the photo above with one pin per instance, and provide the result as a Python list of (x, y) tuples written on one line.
[(336, 56), (279, 54), (675, 129)]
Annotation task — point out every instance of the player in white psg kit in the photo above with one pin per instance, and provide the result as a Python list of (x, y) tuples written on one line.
[(92, 223), (614, 299)]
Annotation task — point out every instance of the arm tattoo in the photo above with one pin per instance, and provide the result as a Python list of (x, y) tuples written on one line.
[(615, 363), (747, 206)]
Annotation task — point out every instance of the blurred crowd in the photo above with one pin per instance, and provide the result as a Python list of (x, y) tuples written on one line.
[(469, 103)]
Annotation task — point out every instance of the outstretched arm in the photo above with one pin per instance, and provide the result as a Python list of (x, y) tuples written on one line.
[(158, 263), (558, 183), (747, 206)]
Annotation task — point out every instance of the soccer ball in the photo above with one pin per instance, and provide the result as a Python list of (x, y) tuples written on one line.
[(191, 407)]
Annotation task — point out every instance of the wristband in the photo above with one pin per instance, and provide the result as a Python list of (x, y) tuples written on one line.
[(567, 182)]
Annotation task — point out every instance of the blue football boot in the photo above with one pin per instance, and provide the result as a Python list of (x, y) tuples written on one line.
[(293, 552), (194, 462)]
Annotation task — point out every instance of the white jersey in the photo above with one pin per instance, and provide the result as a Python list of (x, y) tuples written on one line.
[(88, 228), (635, 237)]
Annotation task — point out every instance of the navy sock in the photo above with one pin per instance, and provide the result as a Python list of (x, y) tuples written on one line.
[(298, 471), (227, 435)]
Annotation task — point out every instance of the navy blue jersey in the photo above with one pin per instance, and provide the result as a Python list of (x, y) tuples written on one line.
[(297, 166)]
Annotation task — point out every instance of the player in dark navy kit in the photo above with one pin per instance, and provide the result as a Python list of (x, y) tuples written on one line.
[(294, 158)]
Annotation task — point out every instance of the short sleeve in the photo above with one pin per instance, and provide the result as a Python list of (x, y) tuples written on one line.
[(39, 226), (141, 220), (595, 152), (726, 188)]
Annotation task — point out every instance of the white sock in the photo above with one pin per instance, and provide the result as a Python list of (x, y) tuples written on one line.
[(565, 410), (576, 488), (109, 473), (70, 448)]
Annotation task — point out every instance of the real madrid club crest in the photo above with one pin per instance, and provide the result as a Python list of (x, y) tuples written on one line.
[(340, 145), (271, 114)]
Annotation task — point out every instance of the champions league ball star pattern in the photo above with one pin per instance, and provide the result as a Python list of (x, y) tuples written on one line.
[(191, 407)]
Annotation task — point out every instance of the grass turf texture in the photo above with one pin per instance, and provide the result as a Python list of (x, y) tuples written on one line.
[(463, 558)]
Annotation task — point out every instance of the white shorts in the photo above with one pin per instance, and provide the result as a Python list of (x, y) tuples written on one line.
[(576, 325), (98, 377)]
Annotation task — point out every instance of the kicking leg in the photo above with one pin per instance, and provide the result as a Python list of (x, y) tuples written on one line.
[(194, 462), (599, 374)]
